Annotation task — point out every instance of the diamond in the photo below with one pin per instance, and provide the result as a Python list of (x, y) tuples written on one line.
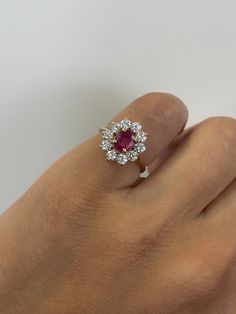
[(115, 127), (132, 155), (141, 137), (106, 145), (136, 127), (125, 124), (124, 141), (111, 155), (121, 159), (108, 134), (139, 147)]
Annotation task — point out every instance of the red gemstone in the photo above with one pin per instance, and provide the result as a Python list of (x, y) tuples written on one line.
[(124, 141)]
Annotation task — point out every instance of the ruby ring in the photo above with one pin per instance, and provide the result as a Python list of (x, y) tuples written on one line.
[(123, 141)]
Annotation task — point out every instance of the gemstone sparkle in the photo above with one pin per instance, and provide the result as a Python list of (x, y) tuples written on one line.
[(124, 141), (139, 147), (121, 159), (106, 145), (111, 155)]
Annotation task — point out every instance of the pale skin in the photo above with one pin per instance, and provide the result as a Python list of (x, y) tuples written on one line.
[(90, 237)]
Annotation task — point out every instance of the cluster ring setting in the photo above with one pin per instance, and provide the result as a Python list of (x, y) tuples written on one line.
[(124, 141)]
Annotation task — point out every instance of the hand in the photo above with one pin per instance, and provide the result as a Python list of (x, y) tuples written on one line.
[(90, 237)]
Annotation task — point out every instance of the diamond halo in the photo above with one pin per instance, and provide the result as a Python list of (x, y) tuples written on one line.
[(124, 141)]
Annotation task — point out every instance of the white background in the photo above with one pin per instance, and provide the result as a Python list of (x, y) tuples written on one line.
[(66, 66)]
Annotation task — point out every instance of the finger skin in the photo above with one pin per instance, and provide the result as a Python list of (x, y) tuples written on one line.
[(162, 116), (169, 150), (221, 213), (107, 257), (199, 170)]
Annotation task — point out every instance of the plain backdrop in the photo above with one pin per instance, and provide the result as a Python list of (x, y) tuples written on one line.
[(67, 66)]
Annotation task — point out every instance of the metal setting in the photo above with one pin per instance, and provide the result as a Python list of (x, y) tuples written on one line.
[(124, 141)]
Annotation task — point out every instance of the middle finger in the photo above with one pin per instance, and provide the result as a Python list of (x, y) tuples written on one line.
[(201, 168)]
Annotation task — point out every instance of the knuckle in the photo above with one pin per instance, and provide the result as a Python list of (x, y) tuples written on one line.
[(175, 113), (167, 101), (222, 127), (166, 110), (173, 102), (136, 238), (198, 276)]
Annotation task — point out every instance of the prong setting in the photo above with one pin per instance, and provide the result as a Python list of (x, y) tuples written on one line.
[(123, 141)]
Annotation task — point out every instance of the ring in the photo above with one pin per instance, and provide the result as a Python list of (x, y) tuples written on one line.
[(123, 141)]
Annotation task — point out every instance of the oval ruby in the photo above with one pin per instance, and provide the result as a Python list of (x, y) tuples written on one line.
[(124, 141)]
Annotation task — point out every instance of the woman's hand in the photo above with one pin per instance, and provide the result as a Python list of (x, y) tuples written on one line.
[(90, 237)]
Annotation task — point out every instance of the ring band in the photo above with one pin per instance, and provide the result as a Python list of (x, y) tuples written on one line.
[(124, 142)]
